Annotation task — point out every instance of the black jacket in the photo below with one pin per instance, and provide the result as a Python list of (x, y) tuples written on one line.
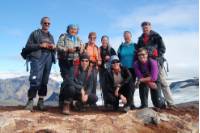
[(34, 41), (83, 79), (109, 80), (106, 52), (155, 42)]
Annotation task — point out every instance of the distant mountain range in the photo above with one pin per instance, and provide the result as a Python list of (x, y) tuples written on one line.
[(13, 91)]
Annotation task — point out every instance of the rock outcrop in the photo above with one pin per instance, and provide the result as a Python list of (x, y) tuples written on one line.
[(185, 118)]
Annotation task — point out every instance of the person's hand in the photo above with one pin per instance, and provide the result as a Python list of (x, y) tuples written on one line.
[(44, 45), (51, 46), (117, 92), (123, 98), (82, 92), (98, 62), (107, 58), (84, 98), (152, 85)]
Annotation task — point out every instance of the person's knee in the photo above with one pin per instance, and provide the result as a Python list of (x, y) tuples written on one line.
[(92, 99), (34, 81), (69, 91), (111, 99), (159, 103), (157, 99)]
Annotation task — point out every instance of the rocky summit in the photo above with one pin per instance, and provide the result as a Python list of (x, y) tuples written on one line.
[(183, 119)]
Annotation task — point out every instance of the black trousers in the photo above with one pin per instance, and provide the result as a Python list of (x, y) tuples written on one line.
[(71, 93), (156, 97), (132, 71), (66, 68), (125, 91)]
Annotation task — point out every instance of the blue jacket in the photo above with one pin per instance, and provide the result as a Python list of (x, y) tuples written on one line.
[(126, 53)]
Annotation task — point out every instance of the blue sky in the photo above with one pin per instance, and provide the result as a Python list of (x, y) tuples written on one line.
[(176, 20)]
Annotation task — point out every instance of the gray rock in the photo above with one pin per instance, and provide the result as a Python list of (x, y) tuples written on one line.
[(148, 116)]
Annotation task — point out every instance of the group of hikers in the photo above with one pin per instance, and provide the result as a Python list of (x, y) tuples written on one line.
[(134, 65)]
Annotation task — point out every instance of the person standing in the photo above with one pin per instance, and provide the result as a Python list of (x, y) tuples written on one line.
[(69, 48), (154, 44), (41, 57), (126, 54), (92, 51), (106, 51)]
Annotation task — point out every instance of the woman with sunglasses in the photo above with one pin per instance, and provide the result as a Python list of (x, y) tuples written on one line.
[(146, 69), (118, 85), (77, 89)]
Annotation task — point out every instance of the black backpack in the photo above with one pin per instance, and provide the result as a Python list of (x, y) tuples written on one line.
[(25, 52)]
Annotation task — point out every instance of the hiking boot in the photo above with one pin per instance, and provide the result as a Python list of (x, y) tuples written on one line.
[(29, 105), (133, 107), (94, 105), (66, 108), (143, 106), (40, 105), (172, 106), (126, 109)]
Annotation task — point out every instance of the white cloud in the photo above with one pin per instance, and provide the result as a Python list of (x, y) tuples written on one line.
[(182, 49), (168, 16), (177, 23)]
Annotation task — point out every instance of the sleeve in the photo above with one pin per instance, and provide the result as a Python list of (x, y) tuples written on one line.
[(154, 70), (99, 54), (137, 70), (119, 51), (71, 82), (139, 43), (128, 76), (161, 46), (108, 85), (61, 44), (32, 43)]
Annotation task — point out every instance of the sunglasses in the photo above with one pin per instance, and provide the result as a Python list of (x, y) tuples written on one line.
[(84, 60), (141, 54), (46, 23), (93, 38), (114, 62)]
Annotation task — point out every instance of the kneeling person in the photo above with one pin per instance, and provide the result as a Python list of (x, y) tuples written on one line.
[(77, 90), (118, 85), (146, 70)]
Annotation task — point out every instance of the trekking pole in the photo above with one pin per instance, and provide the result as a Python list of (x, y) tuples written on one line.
[(166, 70), (27, 67)]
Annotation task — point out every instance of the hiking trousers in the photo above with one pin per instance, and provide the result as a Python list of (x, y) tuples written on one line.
[(165, 86), (71, 93), (156, 96), (125, 91), (39, 74)]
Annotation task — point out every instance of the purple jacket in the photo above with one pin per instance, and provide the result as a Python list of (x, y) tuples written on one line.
[(150, 68)]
